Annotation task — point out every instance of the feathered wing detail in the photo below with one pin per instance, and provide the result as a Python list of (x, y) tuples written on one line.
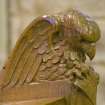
[(25, 60)]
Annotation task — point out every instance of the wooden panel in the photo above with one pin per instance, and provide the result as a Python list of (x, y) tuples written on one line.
[(36, 91), (32, 102)]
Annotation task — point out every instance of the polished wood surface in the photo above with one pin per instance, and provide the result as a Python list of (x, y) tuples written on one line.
[(36, 93), (31, 102), (47, 65)]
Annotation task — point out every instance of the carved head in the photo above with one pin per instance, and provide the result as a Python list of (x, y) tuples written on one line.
[(81, 32)]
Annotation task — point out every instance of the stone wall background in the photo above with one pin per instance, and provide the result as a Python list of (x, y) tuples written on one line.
[(22, 12)]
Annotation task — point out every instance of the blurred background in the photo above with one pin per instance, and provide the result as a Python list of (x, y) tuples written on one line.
[(15, 15)]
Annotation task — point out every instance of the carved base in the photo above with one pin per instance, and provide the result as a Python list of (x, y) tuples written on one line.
[(31, 102), (35, 94)]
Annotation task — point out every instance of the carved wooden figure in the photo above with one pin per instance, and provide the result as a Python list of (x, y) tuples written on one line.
[(47, 65)]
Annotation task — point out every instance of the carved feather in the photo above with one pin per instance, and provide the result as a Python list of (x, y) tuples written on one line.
[(48, 47), (25, 59)]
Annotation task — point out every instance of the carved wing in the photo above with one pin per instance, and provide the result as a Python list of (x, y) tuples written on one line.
[(43, 50), (26, 58)]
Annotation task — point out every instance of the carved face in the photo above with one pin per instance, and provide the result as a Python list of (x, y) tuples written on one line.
[(81, 32)]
